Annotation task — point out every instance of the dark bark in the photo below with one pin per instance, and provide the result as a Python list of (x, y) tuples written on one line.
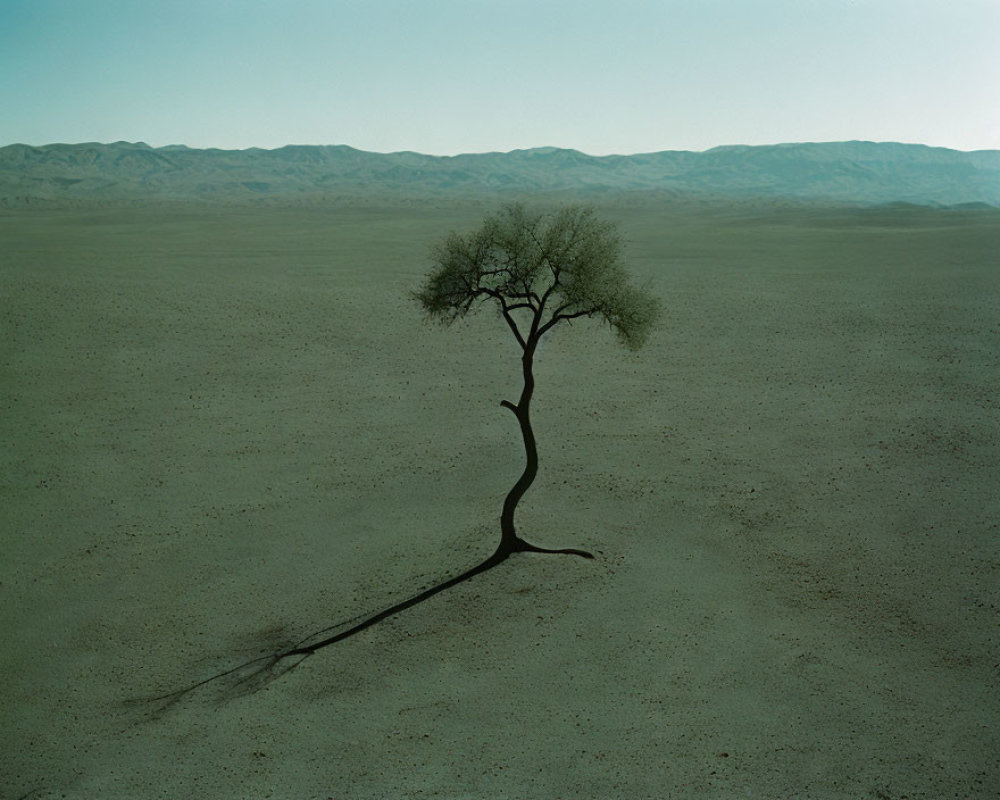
[(510, 542)]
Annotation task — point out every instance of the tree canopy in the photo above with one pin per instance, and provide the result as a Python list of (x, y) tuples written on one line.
[(549, 266)]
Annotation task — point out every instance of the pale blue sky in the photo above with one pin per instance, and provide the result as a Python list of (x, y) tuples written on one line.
[(451, 76)]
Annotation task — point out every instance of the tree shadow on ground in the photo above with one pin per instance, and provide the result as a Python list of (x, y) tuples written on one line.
[(255, 674)]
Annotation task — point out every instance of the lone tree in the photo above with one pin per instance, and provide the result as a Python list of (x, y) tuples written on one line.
[(539, 269)]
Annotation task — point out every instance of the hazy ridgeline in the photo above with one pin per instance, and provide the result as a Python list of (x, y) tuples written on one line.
[(858, 172), (223, 428)]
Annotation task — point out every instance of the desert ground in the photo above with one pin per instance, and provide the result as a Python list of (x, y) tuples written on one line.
[(227, 428)]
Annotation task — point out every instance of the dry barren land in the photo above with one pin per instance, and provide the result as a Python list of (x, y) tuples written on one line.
[(226, 429)]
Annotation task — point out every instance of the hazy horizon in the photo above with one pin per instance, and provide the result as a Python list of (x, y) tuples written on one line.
[(482, 152), (451, 77)]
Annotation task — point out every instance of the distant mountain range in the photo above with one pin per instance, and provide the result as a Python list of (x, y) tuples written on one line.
[(863, 172)]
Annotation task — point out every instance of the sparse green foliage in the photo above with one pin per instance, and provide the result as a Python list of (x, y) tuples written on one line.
[(540, 269), (551, 266)]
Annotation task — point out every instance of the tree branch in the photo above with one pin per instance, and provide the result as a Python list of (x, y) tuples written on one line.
[(513, 326), (586, 313), (511, 322), (557, 316), (545, 296), (506, 309), (489, 273), (527, 296)]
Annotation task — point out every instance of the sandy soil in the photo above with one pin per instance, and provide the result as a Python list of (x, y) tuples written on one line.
[(224, 430)]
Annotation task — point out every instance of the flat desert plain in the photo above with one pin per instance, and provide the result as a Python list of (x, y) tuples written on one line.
[(225, 429)]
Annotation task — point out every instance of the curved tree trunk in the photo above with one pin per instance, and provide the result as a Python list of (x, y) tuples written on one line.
[(510, 542)]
